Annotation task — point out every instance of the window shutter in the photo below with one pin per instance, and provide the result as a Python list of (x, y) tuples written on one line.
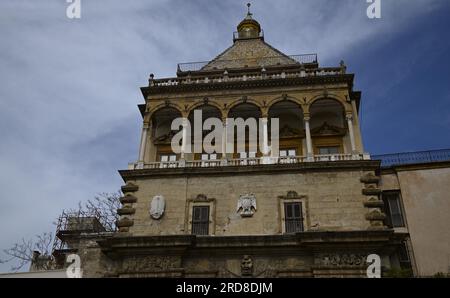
[(293, 217), (200, 220)]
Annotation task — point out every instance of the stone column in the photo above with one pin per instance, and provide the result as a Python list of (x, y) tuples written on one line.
[(350, 131), (309, 149), (145, 128), (224, 141), (265, 143), (265, 148), (184, 140)]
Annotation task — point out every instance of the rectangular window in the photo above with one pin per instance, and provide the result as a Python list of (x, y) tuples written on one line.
[(328, 150), (293, 217), (288, 152), (247, 154), (403, 256), (393, 210), (200, 220), (212, 156), (287, 155), (168, 160), (209, 160), (168, 157), (249, 158)]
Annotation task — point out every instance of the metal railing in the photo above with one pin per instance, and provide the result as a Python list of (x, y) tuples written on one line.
[(305, 58), (293, 225), (263, 61), (248, 161), (388, 160), (200, 228)]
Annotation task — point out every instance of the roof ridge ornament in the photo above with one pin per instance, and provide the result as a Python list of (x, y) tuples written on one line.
[(248, 27)]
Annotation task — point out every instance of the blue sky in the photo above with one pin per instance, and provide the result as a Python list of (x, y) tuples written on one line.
[(69, 88)]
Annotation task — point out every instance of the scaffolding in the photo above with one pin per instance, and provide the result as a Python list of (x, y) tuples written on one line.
[(70, 224)]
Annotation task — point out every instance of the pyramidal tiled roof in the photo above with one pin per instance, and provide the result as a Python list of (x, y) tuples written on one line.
[(254, 52)]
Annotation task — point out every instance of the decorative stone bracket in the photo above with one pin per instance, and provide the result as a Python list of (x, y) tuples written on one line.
[(373, 203), (129, 187), (128, 209)]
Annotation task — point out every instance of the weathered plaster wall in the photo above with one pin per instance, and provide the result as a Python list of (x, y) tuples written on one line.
[(389, 182), (426, 200)]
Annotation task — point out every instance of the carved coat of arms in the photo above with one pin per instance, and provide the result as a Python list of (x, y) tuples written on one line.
[(157, 207), (246, 205)]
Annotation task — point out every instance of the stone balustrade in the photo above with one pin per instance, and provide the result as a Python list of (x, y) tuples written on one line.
[(251, 76), (247, 161)]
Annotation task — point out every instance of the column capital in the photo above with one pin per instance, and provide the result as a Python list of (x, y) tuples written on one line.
[(224, 120), (349, 116), (185, 121)]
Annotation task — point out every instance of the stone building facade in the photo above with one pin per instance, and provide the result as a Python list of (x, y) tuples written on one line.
[(313, 210), (419, 182)]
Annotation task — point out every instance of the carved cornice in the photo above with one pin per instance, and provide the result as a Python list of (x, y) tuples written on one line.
[(363, 165), (201, 198), (173, 244), (291, 195), (341, 78)]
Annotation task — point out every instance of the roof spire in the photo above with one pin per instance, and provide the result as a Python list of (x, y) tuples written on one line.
[(248, 27)]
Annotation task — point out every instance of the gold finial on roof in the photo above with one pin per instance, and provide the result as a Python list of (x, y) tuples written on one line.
[(248, 27)]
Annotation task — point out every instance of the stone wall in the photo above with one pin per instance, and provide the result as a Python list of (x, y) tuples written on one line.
[(425, 191), (332, 201)]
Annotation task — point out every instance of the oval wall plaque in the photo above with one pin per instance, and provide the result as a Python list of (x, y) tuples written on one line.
[(157, 207)]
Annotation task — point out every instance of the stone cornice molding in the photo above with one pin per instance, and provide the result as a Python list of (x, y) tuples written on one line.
[(347, 78)]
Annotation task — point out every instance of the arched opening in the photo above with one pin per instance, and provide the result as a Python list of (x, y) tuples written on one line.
[(161, 135), (207, 112), (291, 127), (327, 127), (250, 113)]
